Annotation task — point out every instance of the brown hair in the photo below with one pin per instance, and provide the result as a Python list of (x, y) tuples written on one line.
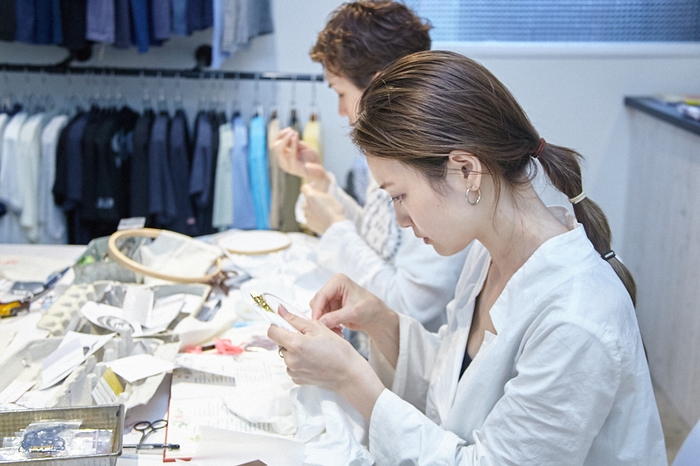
[(431, 103), (362, 38)]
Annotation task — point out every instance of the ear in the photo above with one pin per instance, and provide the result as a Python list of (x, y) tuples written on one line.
[(468, 164)]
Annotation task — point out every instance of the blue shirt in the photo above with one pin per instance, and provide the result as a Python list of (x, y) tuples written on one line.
[(259, 172), (243, 206)]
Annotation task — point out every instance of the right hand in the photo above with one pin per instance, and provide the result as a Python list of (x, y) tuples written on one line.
[(294, 156), (342, 302)]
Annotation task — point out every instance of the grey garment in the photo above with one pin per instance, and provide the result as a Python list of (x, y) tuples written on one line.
[(244, 20), (100, 21)]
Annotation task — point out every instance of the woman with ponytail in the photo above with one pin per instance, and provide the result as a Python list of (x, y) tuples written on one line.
[(541, 360)]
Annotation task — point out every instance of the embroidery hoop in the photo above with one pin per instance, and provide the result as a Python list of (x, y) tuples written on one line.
[(134, 266)]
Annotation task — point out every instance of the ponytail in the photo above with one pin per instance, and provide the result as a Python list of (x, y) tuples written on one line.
[(562, 167)]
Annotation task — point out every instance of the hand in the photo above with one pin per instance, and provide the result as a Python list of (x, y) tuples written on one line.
[(316, 355), (321, 210), (342, 302), (294, 156)]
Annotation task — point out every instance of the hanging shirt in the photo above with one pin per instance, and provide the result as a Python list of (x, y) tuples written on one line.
[(100, 21), (223, 181), (26, 21), (292, 185), (4, 118), (312, 136), (8, 26), (179, 17), (236, 22), (52, 220), (199, 15), (160, 10), (276, 175), (243, 206), (73, 21), (141, 20), (179, 160), (114, 148), (10, 193), (202, 170), (161, 193), (259, 172), (563, 380), (140, 174), (122, 24), (29, 150), (44, 23)]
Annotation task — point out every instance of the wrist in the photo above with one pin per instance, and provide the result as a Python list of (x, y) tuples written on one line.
[(361, 387)]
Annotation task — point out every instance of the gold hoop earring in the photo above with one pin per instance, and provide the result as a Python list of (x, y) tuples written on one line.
[(478, 197)]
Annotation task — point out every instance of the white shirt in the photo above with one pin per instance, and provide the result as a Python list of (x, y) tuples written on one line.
[(415, 280), (222, 216), (563, 382), (10, 195), (29, 150)]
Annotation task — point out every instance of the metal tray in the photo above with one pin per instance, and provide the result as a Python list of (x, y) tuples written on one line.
[(93, 417)]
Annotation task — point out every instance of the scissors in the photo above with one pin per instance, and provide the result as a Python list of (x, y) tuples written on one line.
[(147, 428)]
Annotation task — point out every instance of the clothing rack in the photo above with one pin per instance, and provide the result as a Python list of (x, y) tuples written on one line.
[(160, 72)]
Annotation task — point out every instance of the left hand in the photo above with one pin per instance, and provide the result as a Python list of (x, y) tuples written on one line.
[(317, 355), (321, 210)]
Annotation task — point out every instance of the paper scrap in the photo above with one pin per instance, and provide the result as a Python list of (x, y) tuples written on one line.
[(73, 350), (139, 367), (110, 317), (138, 303), (14, 391), (108, 388)]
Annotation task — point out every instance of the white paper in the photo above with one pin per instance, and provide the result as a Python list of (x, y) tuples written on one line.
[(34, 399), (187, 416), (226, 447), (248, 368), (166, 310), (14, 391), (139, 367), (138, 303), (110, 317), (73, 350)]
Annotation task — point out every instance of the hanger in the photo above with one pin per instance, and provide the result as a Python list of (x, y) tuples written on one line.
[(314, 110), (162, 103), (178, 93), (146, 103), (259, 111)]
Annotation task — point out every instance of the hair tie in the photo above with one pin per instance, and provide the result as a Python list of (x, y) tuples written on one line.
[(577, 199), (540, 148), (608, 255)]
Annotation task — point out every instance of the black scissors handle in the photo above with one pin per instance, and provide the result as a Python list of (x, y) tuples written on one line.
[(147, 428)]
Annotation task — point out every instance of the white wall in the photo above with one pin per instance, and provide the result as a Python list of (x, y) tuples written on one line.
[(573, 94)]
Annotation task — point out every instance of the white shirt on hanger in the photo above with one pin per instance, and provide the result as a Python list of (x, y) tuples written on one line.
[(29, 150), (10, 194)]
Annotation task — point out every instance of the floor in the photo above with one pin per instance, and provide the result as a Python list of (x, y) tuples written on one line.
[(675, 428)]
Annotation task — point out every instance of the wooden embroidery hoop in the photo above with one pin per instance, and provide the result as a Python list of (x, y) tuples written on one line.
[(134, 266)]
